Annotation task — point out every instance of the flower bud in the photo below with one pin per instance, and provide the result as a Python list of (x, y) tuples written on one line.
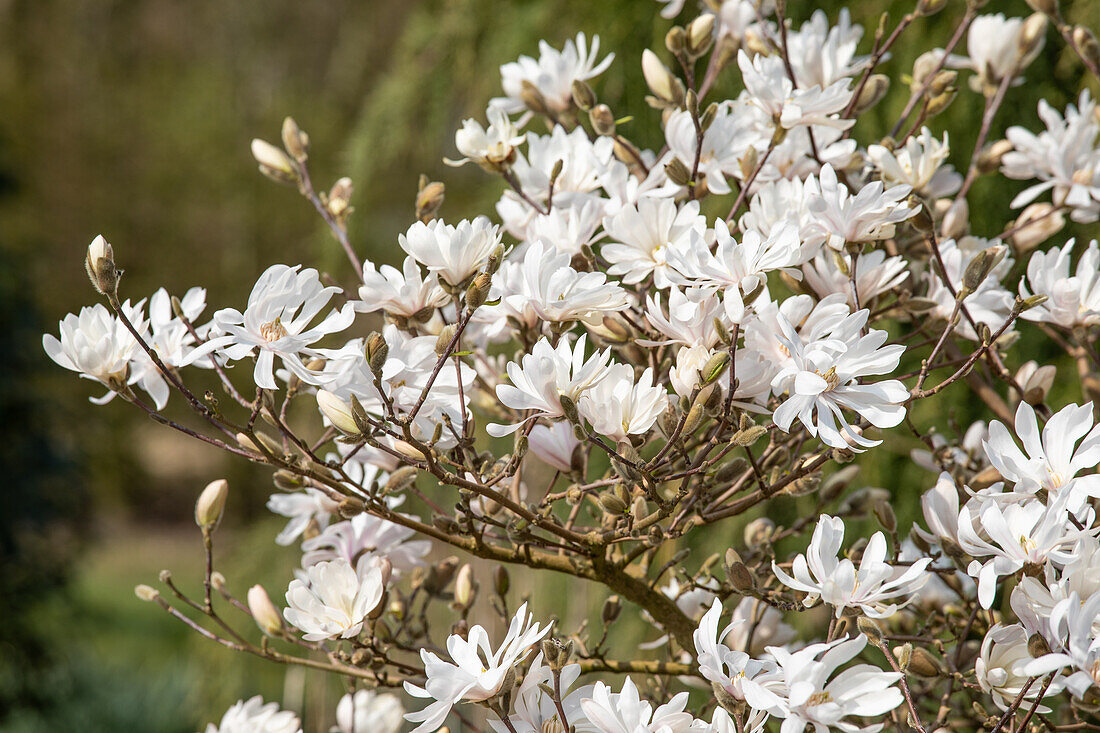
[(100, 264), (676, 40), (612, 504), (1040, 221), (870, 629), (338, 201), (923, 664), (274, 163), (1086, 44), (1032, 34), (611, 609), (758, 531), (478, 291), (872, 93), (659, 79), (884, 513), (930, 7), (401, 479), (990, 158), (501, 581), (957, 219), (337, 411), (583, 96), (263, 611), (429, 198), (700, 35), (603, 121), (465, 587), (295, 141), (533, 99), (146, 593), (740, 577), (376, 351), (1049, 7), (211, 504)]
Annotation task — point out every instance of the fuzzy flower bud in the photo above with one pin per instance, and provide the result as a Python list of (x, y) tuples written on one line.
[(337, 411), (264, 612), (100, 264), (211, 504)]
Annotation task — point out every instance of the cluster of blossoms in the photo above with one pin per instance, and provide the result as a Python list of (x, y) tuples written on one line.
[(646, 342)]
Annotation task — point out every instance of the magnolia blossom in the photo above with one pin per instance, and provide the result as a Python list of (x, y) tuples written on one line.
[(1012, 536), (691, 316), (1002, 667), (545, 376), (302, 508), (869, 215), (276, 323), (807, 696), (334, 600), (1065, 158), (840, 584), (919, 165), (990, 303), (996, 49), (364, 539), (97, 345), (253, 716), (399, 292), (1075, 621), (875, 274), (771, 90), (554, 444), (645, 236), (491, 146), (725, 142), (535, 711), (1072, 300), (626, 712), (1037, 601), (730, 670), (940, 505), (476, 673), (743, 264), (1051, 460), (367, 711), (552, 74), (453, 253), (822, 379), (821, 54), (618, 406)]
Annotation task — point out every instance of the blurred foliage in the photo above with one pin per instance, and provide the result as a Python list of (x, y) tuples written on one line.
[(132, 118)]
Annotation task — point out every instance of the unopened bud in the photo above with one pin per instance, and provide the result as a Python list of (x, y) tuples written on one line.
[(659, 79), (612, 504), (376, 351), (1036, 224), (872, 93), (295, 141), (338, 201), (146, 593), (583, 96), (956, 221), (923, 664), (884, 513), (1049, 7), (100, 264), (714, 367), (749, 436), (267, 617), (464, 586), (429, 199), (337, 411), (678, 172), (211, 504), (569, 409), (870, 629), (274, 163), (1032, 34), (401, 479), (611, 609), (990, 158), (930, 7), (676, 40), (758, 532), (1086, 43), (602, 119), (478, 291), (700, 35), (904, 654), (501, 581), (443, 340), (740, 577)]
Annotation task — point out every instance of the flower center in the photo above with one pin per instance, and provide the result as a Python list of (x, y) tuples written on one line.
[(273, 330), (1027, 543), (819, 698), (831, 380)]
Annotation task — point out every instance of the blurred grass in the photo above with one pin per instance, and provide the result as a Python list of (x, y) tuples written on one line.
[(132, 118)]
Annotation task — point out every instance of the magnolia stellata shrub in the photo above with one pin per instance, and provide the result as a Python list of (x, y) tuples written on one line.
[(640, 346)]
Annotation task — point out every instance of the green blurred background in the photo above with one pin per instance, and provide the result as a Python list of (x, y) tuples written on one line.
[(132, 118)]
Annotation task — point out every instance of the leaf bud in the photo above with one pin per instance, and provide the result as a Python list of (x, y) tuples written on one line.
[(714, 367), (211, 504), (146, 593)]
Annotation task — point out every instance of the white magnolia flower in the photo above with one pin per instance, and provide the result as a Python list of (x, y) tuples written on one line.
[(643, 238), (490, 146), (335, 601), (617, 406), (552, 74), (994, 47), (476, 673), (1002, 667), (170, 338), (807, 695), (543, 287), (822, 378), (737, 17), (547, 374), (875, 274), (276, 323), (771, 90), (554, 444), (691, 316), (1064, 157), (534, 711), (1072, 300), (781, 203), (367, 711), (584, 165), (731, 670), (97, 345), (990, 304), (740, 265), (1012, 536), (253, 716), (401, 292), (868, 216), (567, 228), (725, 142), (756, 626), (919, 165), (1036, 600), (870, 588), (821, 54), (302, 508), (626, 712), (1074, 621), (362, 540), (1052, 460), (453, 253), (940, 505)]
